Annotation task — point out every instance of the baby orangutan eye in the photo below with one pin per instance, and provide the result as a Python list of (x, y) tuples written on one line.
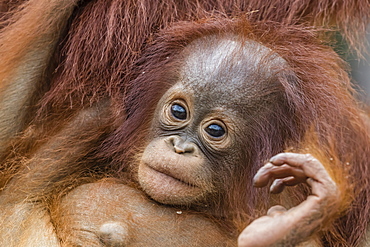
[(179, 112), (215, 130)]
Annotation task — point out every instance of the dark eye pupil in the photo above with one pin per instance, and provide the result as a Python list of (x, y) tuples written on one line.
[(178, 112), (215, 130)]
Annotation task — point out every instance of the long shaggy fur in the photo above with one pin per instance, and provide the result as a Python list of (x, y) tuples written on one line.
[(111, 35)]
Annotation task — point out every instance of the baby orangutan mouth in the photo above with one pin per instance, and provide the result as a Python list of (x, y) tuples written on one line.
[(165, 187), (166, 176)]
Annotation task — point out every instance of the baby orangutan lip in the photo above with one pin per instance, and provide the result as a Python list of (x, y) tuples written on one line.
[(162, 173), (165, 187)]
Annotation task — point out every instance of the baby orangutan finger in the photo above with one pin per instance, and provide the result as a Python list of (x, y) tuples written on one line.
[(310, 165), (277, 186), (269, 171), (320, 181)]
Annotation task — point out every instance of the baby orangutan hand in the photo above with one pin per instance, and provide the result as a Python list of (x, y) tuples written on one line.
[(281, 227)]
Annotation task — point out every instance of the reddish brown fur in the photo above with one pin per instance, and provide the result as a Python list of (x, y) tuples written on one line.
[(110, 67), (79, 82), (98, 59), (322, 103)]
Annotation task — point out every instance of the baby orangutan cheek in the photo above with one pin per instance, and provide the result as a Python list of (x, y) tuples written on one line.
[(172, 178)]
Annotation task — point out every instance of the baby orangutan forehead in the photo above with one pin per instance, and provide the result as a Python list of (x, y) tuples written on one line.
[(229, 66)]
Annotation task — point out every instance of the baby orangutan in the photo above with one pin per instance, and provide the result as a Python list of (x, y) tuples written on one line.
[(197, 147)]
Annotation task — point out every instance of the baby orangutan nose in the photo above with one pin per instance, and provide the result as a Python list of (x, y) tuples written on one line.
[(182, 145)]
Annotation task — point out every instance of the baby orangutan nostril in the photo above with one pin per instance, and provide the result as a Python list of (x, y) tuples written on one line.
[(180, 145)]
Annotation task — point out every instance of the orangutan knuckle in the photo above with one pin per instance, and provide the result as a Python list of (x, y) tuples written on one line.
[(309, 158)]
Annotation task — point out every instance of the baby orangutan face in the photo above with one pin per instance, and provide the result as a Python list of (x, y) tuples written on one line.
[(198, 126)]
